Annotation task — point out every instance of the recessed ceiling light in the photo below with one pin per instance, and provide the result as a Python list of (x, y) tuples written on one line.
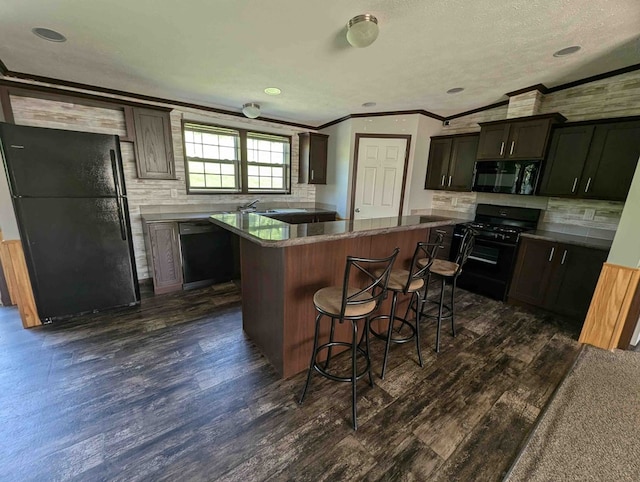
[(567, 51), (48, 34), (369, 104), (272, 91), (455, 90)]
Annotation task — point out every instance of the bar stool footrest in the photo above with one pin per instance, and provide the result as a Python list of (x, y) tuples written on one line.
[(337, 378), (383, 336)]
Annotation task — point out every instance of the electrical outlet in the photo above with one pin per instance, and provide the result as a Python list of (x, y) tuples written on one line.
[(589, 214), (454, 201), (174, 193)]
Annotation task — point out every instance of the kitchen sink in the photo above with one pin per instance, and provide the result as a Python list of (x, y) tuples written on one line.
[(286, 210)]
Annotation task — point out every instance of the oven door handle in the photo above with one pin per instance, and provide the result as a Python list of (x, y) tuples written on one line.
[(482, 260)]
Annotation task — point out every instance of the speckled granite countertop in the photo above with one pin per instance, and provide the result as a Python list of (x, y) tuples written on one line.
[(203, 216), (273, 233), (597, 243)]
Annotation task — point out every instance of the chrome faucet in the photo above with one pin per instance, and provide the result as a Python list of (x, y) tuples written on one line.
[(249, 207)]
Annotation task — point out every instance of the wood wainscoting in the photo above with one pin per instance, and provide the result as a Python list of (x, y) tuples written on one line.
[(614, 308), (15, 270)]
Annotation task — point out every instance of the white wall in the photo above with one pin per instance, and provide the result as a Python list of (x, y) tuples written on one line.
[(8, 223), (341, 159), (335, 193)]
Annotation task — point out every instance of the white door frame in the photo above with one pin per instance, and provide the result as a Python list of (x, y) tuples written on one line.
[(359, 136)]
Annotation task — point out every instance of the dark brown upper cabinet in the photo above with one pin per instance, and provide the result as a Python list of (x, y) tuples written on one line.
[(524, 138), (313, 158), (595, 161), (154, 145), (451, 161)]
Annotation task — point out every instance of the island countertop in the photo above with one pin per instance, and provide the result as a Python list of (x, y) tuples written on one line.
[(269, 232)]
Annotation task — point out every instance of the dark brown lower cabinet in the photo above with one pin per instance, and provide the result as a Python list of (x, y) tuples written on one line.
[(163, 253), (555, 276), (447, 236)]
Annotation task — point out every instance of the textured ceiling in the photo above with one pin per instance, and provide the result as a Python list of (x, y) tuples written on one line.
[(223, 53)]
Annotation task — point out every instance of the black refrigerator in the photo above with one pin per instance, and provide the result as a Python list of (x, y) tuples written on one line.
[(70, 202)]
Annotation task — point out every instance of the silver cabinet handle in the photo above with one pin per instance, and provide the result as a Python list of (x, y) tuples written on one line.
[(513, 144), (553, 250), (502, 148), (312, 174), (449, 181), (564, 257), (442, 182), (586, 189), (575, 183)]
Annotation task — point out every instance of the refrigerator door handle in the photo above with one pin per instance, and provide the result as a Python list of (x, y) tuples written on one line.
[(114, 168)]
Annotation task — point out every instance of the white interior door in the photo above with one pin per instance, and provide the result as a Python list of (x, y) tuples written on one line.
[(379, 177)]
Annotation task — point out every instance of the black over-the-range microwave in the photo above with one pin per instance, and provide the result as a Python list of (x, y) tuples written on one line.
[(509, 177)]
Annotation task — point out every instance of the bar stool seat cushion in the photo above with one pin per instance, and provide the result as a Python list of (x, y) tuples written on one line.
[(398, 280), (329, 300), (440, 267)]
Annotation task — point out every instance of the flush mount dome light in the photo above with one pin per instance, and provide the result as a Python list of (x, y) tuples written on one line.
[(362, 30), (48, 34), (251, 110), (567, 51), (272, 91), (455, 90)]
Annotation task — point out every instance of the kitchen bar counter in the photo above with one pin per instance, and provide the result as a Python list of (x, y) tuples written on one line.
[(283, 265), (587, 242), (204, 215), (272, 233)]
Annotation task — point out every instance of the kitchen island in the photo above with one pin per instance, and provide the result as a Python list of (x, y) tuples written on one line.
[(283, 265)]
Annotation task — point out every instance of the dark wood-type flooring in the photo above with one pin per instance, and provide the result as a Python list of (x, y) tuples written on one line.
[(173, 390)]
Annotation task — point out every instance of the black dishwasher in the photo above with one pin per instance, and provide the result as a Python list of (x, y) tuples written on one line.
[(207, 254)]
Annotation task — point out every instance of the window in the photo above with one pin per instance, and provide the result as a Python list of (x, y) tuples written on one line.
[(235, 161)]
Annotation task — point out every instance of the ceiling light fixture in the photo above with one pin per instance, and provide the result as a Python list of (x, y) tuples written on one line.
[(272, 91), (369, 104), (567, 51), (362, 30), (48, 34), (455, 90), (251, 110)]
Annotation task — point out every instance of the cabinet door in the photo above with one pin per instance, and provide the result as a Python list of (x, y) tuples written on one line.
[(612, 161), (528, 139), (165, 255), (463, 158), (438, 164), (493, 141), (567, 156), (312, 158), (533, 270), (574, 280), (154, 146)]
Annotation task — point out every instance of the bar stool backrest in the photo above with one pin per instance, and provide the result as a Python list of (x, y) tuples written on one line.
[(376, 285), (422, 251), (466, 247)]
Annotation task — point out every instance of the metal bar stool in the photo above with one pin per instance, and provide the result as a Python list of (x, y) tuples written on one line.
[(447, 271), (406, 282), (347, 302)]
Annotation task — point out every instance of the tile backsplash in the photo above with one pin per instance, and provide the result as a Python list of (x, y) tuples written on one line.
[(594, 218)]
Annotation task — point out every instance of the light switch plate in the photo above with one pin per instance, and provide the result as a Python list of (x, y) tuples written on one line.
[(454, 201), (589, 214), (174, 193)]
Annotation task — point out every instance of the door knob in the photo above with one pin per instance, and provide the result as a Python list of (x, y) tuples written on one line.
[(357, 210)]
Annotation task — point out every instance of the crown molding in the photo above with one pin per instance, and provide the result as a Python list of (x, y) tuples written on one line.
[(539, 87), (64, 86)]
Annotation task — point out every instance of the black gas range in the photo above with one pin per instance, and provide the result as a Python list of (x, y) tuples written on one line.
[(497, 230)]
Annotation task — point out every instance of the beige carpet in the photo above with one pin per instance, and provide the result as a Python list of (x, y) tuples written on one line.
[(591, 429)]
